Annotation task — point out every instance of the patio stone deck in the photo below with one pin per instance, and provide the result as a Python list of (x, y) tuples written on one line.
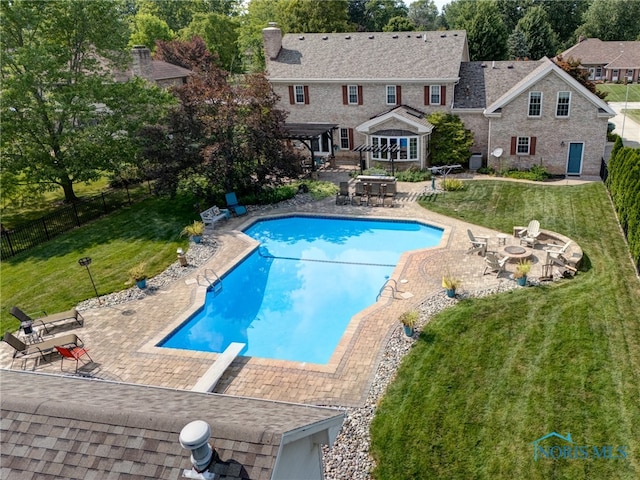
[(121, 339)]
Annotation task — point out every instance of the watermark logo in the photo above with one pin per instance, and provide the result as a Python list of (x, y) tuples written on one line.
[(554, 446)]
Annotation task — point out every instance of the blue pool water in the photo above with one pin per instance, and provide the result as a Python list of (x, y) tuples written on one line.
[(292, 298)]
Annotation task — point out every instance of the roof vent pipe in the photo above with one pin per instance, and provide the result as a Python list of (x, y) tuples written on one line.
[(195, 437)]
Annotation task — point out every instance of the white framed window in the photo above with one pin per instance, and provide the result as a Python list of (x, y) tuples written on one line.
[(391, 95), (406, 148), (522, 147), (598, 73), (630, 75), (344, 139), (563, 103), (353, 94), (299, 94), (592, 73), (615, 75), (434, 95), (535, 104)]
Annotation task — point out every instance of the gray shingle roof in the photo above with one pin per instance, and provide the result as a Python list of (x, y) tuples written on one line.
[(76, 428), (370, 56), (482, 83), (614, 54)]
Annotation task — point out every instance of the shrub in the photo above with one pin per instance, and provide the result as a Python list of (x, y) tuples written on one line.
[(536, 173), (452, 185), (487, 170), (413, 174)]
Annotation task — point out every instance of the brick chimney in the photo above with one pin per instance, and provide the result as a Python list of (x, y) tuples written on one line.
[(272, 37), (142, 66)]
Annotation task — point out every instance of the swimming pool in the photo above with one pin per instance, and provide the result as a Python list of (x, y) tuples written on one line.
[(293, 296)]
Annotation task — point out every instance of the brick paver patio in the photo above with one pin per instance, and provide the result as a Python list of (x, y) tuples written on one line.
[(121, 339)]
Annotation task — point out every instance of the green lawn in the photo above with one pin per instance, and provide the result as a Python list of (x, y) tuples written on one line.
[(49, 278), (634, 114), (489, 376), (618, 92)]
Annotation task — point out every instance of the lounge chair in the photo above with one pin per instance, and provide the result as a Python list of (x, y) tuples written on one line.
[(22, 350), (529, 236), (342, 197), (48, 321), (233, 205), (494, 263), (478, 244), (73, 353)]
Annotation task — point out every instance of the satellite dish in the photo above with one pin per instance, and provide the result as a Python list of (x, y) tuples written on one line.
[(497, 152)]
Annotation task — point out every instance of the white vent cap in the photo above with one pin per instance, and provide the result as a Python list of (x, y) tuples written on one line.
[(195, 437)]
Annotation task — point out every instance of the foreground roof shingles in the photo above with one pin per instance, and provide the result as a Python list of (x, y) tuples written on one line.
[(74, 428)]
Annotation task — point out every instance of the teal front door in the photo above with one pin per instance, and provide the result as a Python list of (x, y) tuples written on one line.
[(574, 163)]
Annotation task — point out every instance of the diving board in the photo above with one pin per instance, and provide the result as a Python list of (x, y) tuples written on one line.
[(208, 381)]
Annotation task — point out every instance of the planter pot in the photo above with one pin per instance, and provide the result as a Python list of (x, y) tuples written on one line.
[(408, 331), (451, 292), (141, 283), (196, 238), (522, 281)]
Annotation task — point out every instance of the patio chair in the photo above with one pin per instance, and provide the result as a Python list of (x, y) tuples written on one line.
[(529, 235), (375, 194), (389, 194), (494, 264), (73, 353), (557, 256), (22, 350), (233, 205), (478, 244), (49, 321), (342, 197), (360, 194)]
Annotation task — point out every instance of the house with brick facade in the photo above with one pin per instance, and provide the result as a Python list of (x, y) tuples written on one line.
[(608, 61), (376, 89)]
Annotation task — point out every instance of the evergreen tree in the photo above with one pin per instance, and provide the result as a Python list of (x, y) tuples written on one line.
[(487, 33), (517, 45), (450, 141), (539, 36)]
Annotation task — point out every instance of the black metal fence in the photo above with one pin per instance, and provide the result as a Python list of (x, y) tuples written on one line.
[(34, 233)]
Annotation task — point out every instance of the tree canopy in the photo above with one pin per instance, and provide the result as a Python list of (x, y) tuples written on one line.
[(611, 20), (538, 35), (220, 137), (64, 120)]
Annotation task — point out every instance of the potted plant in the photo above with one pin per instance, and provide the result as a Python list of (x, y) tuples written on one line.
[(523, 267), (450, 284), (195, 231), (408, 320), (138, 276)]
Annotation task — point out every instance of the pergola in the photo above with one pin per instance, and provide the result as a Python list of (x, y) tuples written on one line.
[(306, 132), (395, 148)]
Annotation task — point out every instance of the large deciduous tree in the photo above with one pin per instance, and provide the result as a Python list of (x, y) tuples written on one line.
[(574, 68), (147, 29), (64, 120), (219, 33), (424, 14), (611, 20), (450, 141), (487, 33), (220, 137)]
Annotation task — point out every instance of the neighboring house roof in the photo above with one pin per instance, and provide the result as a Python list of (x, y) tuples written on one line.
[(163, 70), (78, 428), (546, 67), (613, 54), (370, 56), (159, 71)]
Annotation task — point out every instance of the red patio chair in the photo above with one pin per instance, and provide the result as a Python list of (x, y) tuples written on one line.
[(74, 353)]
